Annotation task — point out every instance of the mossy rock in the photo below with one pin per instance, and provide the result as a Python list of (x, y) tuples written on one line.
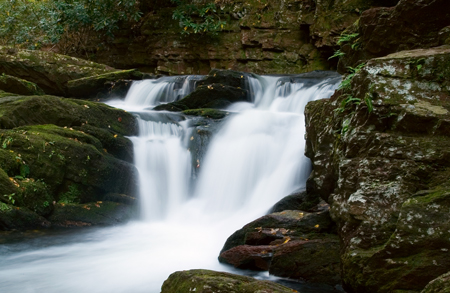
[(19, 86), (205, 281), (18, 111), (105, 84), (20, 218), (207, 113), (50, 71), (94, 213)]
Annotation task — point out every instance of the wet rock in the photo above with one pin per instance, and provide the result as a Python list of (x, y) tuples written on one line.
[(98, 213), (297, 201), (20, 218), (316, 260), (19, 86), (283, 224), (48, 70), (104, 85), (249, 257), (381, 161), (216, 96), (205, 281)]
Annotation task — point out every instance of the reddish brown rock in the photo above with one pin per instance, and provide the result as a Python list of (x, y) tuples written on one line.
[(249, 257)]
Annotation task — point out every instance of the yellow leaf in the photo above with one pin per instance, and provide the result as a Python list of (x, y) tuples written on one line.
[(115, 135), (316, 226), (185, 28)]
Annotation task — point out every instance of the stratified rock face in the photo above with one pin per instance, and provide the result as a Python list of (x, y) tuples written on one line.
[(410, 25), (380, 153), (292, 36), (205, 281), (63, 162), (48, 70)]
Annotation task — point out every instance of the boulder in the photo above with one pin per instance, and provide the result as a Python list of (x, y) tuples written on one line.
[(249, 257), (20, 218), (296, 201), (381, 161), (19, 86), (114, 83), (81, 158), (216, 96), (205, 281), (50, 71)]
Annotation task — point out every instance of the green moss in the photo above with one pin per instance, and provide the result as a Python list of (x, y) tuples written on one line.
[(207, 113)]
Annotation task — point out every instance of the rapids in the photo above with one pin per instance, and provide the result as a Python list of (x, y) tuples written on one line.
[(187, 209)]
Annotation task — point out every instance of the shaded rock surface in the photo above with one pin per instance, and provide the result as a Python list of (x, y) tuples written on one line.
[(48, 70), (293, 244), (57, 153), (409, 25), (380, 160), (114, 83), (205, 281), (19, 86)]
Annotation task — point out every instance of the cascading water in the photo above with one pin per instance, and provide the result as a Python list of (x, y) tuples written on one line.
[(254, 159)]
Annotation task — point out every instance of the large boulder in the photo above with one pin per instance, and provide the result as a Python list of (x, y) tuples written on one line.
[(59, 153), (439, 285), (205, 281), (50, 71), (114, 83), (293, 244), (381, 159)]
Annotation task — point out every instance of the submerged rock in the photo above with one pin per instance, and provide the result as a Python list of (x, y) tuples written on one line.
[(205, 281), (381, 161)]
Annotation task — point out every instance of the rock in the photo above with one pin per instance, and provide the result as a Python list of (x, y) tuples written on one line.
[(19, 86), (103, 85), (284, 224), (98, 213), (81, 158), (249, 257), (216, 96), (409, 25), (205, 281), (48, 70), (207, 113), (382, 164), (296, 201), (439, 285), (226, 77), (19, 218), (315, 261)]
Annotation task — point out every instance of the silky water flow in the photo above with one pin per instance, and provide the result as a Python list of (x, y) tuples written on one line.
[(188, 206)]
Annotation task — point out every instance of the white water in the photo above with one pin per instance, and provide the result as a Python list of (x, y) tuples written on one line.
[(254, 160)]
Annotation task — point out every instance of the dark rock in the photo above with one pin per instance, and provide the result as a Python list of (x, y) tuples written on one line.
[(205, 281), (120, 198), (226, 77), (20, 218), (207, 113), (19, 86), (103, 85), (297, 201), (216, 96), (249, 257), (383, 165), (48, 70), (98, 213), (409, 25), (316, 261), (286, 223)]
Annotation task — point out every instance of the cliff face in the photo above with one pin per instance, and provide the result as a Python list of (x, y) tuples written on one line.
[(268, 36), (380, 154)]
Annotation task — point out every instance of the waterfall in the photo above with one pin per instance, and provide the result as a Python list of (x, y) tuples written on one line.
[(190, 204)]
